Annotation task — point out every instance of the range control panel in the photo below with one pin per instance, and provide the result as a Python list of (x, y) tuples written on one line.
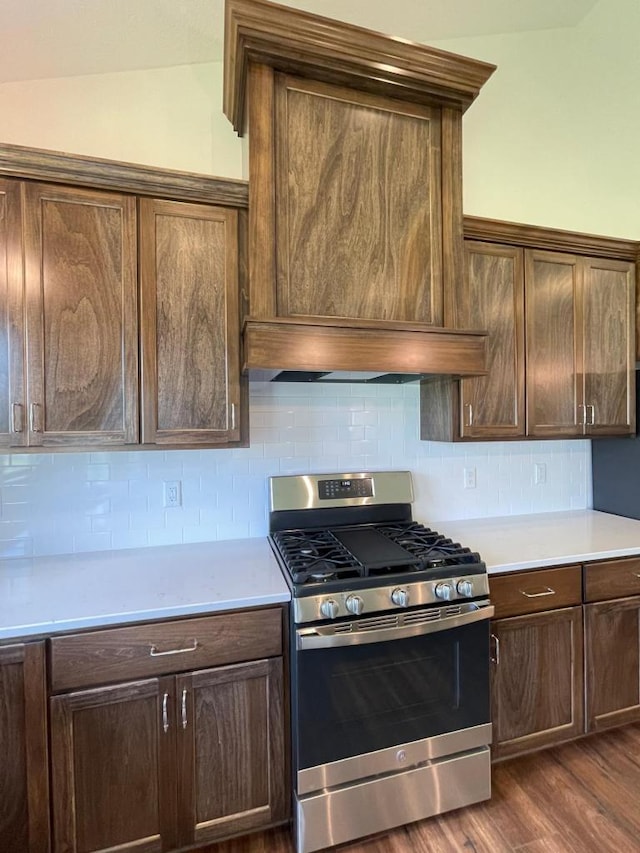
[(362, 487)]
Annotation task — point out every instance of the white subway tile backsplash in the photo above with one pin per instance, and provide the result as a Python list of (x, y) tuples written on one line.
[(59, 503)]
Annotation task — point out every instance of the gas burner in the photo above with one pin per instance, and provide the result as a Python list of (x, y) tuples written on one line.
[(431, 548), (315, 556)]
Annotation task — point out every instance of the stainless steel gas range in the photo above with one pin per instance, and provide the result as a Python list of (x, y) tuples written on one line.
[(389, 658)]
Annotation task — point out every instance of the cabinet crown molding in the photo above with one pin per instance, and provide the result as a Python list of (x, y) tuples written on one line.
[(310, 45), (19, 161)]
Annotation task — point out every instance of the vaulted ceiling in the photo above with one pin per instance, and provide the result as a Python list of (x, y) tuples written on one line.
[(61, 38)]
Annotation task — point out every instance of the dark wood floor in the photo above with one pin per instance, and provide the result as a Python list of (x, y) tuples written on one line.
[(583, 797)]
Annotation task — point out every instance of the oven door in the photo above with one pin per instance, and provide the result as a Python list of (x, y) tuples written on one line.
[(417, 682)]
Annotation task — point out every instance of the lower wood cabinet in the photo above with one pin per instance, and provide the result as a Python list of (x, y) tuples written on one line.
[(165, 763), (537, 680), (612, 638), (24, 773), (612, 642)]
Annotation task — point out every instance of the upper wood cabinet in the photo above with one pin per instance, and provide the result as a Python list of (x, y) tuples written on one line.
[(72, 260), (561, 339), (12, 374), (72, 309), (82, 331), (190, 328), (24, 772), (580, 345), (490, 406)]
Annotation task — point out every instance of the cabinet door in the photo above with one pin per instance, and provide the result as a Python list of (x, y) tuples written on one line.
[(612, 638), (190, 323), (24, 776), (608, 317), (12, 385), (537, 681), (231, 751), (554, 345), (113, 768), (80, 265), (492, 406)]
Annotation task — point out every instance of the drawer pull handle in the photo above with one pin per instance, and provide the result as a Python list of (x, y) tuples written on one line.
[(184, 708), (17, 424), (165, 713), (154, 653), (547, 591)]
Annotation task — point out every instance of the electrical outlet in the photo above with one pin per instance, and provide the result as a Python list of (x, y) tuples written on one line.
[(539, 473), (172, 493), (469, 478)]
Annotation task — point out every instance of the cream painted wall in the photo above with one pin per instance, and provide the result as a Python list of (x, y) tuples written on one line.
[(550, 140), (168, 117)]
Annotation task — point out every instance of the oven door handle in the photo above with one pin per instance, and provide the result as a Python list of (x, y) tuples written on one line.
[(310, 638)]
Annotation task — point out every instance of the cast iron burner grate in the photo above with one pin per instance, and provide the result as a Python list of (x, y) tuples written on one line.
[(430, 547), (314, 556)]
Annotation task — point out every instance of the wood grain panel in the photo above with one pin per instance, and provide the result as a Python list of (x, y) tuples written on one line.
[(24, 778), (116, 176), (98, 657), (235, 712), (608, 303), (330, 50), (296, 345), (190, 324), (80, 250), (113, 769), (493, 406), (612, 579), (13, 432), (537, 682), (612, 638), (554, 345), (357, 238), (519, 593)]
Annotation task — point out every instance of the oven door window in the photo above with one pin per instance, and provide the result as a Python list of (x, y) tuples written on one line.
[(357, 699)]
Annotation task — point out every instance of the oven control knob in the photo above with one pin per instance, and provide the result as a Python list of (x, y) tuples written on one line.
[(400, 597), (354, 604), (329, 608), (465, 588), (444, 591)]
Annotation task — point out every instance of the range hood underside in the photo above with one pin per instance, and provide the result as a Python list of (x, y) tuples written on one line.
[(358, 351)]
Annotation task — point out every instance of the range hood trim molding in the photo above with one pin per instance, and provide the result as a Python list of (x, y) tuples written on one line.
[(300, 42), (288, 344)]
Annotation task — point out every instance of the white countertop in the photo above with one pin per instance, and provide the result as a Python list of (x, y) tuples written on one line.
[(511, 543), (45, 595)]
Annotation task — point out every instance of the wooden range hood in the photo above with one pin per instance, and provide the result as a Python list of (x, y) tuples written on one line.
[(355, 230)]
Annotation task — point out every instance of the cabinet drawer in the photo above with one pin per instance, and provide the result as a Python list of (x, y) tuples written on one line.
[(519, 593), (612, 579), (157, 648)]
